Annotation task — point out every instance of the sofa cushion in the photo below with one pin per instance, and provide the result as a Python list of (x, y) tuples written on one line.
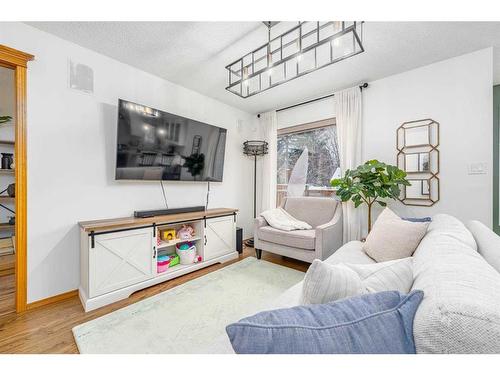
[(488, 243), (393, 238), (302, 239), (460, 312), (351, 252), (329, 282), (450, 226), (371, 323), (313, 210)]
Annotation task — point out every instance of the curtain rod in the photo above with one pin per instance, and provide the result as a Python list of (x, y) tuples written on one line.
[(361, 87)]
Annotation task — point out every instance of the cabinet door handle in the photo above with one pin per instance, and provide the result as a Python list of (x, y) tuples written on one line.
[(154, 252)]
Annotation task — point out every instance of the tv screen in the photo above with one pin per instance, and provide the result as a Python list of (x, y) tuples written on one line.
[(157, 145)]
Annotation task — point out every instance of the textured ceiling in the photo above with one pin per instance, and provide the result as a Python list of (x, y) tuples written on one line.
[(194, 54)]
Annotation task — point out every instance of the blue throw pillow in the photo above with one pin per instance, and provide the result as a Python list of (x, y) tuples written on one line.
[(370, 323), (418, 219)]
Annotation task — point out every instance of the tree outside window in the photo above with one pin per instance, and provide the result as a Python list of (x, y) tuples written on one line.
[(323, 158)]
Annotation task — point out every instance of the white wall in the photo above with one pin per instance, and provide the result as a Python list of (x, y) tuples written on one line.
[(458, 94), (71, 153)]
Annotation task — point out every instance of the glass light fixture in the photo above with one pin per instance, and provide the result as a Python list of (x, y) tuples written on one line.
[(307, 47)]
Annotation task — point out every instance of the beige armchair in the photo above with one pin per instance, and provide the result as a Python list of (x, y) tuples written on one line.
[(323, 214)]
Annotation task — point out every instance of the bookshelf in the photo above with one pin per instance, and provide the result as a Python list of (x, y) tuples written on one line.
[(5, 199)]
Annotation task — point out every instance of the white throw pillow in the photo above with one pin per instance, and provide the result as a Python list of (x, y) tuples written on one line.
[(392, 275), (393, 238), (329, 282)]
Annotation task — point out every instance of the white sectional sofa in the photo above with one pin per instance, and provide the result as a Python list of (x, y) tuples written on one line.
[(460, 312)]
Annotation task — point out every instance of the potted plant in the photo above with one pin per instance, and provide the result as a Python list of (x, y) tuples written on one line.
[(4, 119), (194, 164), (369, 183)]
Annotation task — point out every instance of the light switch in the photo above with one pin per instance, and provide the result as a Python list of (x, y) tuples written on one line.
[(477, 168)]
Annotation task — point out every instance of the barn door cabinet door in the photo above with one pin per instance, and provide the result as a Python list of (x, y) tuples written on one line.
[(120, 259), (220, 235)]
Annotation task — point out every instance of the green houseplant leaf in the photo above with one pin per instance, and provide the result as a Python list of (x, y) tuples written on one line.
[(369, 183)]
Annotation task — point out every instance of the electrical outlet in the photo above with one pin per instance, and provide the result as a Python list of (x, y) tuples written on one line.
[(477, 168)]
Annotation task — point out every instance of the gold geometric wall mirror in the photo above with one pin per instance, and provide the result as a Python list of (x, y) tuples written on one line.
[(418, 155)]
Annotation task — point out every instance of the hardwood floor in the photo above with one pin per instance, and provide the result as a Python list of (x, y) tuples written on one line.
[(7, 285), (48, 329)]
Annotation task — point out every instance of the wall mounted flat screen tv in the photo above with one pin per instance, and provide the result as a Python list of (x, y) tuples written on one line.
[(157, 145)]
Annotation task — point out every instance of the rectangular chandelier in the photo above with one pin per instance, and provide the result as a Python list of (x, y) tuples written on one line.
[(307, 47)]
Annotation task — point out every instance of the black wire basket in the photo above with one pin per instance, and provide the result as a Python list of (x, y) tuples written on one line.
[(255, 148)]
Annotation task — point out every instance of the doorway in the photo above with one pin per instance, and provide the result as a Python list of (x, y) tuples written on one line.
[(13, 177), (7, 191)]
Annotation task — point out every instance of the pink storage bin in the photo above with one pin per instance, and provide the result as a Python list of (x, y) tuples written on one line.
[(162, 266)]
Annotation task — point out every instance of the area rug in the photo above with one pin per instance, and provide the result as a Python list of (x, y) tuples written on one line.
[(192, 317)]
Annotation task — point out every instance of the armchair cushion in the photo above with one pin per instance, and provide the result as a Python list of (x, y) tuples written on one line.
[(313, 210), (303, 239)]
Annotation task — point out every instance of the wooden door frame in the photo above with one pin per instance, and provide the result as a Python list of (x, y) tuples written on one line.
[(18, 61)]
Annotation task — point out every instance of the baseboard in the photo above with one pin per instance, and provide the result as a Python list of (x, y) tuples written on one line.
[(53, 299)]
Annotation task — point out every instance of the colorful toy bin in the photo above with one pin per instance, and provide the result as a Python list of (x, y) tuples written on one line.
[(174, 260), (186, 252), (162, 263)]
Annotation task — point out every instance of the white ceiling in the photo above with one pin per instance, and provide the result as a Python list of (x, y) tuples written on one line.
[(194, 54)]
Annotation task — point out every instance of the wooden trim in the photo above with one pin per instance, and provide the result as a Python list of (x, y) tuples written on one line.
[(13, 57), (5, 65), (307, 126), (53, 299), (19, 61), (130, 222), (21, 191)]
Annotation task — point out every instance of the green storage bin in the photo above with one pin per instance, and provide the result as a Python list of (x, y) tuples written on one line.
[(174, 260)]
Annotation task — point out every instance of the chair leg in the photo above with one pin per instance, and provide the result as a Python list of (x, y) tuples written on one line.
[(258, 253)]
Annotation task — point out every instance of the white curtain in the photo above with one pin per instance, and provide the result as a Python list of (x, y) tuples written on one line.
[(268, 131), (298, 178), (348, 107)]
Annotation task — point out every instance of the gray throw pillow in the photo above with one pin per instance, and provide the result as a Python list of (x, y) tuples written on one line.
[(329, 282), (371, 323)]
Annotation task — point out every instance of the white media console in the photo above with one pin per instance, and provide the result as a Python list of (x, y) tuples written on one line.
[(118, 256)]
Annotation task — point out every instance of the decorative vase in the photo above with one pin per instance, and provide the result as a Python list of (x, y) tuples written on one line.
[(11, 190), (7, 160)]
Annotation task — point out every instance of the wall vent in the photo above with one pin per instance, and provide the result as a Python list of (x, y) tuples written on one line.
[(81, 77)]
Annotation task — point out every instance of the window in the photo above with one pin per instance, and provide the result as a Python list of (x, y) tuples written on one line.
[(320, 138)]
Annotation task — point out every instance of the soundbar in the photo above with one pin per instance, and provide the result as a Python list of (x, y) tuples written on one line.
[(168, 211)]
